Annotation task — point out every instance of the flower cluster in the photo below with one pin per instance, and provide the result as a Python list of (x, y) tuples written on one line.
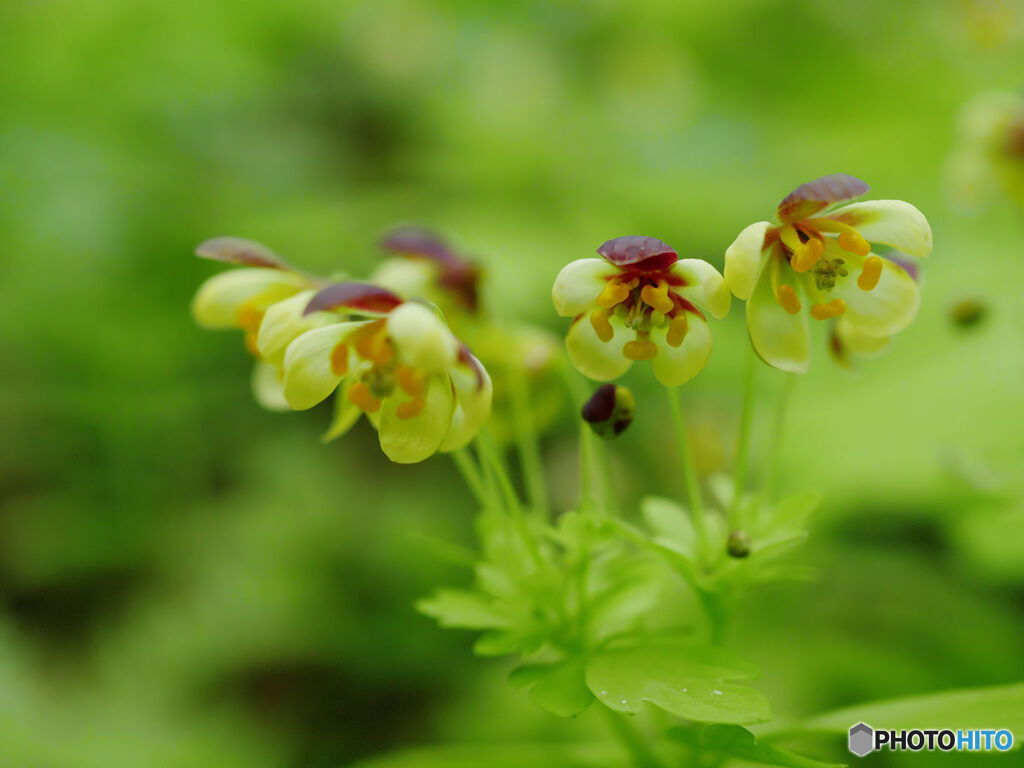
[(990, 149), (389, 357)]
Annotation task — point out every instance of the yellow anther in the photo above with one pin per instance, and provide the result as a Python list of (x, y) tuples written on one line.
[(851, 240), (411, 408), (870, 274), (834, 308), (249, 318), (677, 330), (376, 347), (339, 360), (657, 297), (787, 298), (614, 293), (362, 398), (599, 322), (640, 349), (410, 380), (805, 255)]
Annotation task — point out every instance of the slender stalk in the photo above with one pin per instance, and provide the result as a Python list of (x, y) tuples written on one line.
[(489, 453), (771, 475), (471, 476), (631, 738), (689, 471), (743, 445), (578, 395), (604, 475), (527, 444)]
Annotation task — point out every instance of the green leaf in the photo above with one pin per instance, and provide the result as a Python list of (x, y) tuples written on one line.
[(1000, 706), (735, 741), (559, 688), (686, 680), (462, 609), (670, 521), (792, 512), (547, 755)]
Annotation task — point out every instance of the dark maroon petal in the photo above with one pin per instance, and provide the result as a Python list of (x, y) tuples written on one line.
[(360, 296), (807, 199), (235, 250), (455, 274), (417, 241), (638, 251), (468, 359)]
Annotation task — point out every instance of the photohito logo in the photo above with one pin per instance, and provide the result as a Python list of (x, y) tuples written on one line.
[(864, 740)]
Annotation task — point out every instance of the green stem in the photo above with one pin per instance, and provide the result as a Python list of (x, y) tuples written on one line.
[(631, 738), (743, 445), (527, 444), (578, 395), (489, 452), (471, 476), (778, 428), (604, 474), (690, 472)]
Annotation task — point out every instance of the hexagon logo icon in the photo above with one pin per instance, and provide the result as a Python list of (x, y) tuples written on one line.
[(862, 739)]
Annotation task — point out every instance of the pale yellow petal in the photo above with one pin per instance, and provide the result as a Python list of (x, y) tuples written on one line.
[(704, 287), (780, 339), (594, 358), (579, 284), (218, 301), (674, 366), (887, 308), (889, 222), (743, 260), (421, 338), (407, 441), (284, 321), (309, 376), (472, 407)]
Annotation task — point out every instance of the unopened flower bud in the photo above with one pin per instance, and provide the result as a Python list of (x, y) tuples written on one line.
[(739, 544), (609, 410), (967, 312)]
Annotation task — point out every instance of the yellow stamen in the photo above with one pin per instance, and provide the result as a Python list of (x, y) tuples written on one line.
[(339, 360), (362, 398), (640, 349), (787, 298), (870, 274), (249, 318), (657, 297), (677, 330), (601, 326), (614, 293), (410, 380), (805, 255), (834, 308), (375, 347), (849, 238), (852, 241), (411, 408)]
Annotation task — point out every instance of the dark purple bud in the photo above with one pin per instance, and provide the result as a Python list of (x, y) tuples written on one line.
[(639, 252), (235, 250), (814, 196), (358, 296), (609, 410)]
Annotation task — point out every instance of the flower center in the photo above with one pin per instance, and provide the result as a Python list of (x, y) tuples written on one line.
[(371, 344), (642, 303)]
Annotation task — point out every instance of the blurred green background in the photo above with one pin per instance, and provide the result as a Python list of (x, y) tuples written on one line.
[(186, 580)]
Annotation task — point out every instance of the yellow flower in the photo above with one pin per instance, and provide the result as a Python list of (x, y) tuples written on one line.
[(639, 302), (266, 298), (817, 261), (399, 364)]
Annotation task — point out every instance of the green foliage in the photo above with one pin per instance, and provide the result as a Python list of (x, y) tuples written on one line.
[(994, 707), (728, 742)]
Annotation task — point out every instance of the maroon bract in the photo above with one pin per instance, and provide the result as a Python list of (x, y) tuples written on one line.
[(642, 254), (358, 296)]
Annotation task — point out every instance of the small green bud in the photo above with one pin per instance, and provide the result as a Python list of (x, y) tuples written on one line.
[(609, 410), (967, 313), (739, 544)]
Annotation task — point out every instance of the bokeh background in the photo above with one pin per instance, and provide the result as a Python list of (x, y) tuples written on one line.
[(186, 580)]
